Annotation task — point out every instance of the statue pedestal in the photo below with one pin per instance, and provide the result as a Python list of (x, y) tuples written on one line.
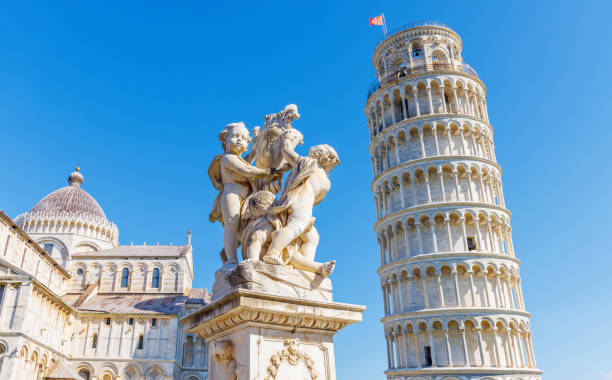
[(258, 335)]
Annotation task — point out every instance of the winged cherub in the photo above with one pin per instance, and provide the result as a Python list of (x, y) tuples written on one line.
[(234, 177)]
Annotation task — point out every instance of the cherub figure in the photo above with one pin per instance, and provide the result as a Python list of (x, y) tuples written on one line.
[(305, 187), (234, 178), (224, 355)]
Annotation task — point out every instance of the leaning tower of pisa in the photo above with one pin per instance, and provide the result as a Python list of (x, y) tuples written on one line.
[(449, 275)]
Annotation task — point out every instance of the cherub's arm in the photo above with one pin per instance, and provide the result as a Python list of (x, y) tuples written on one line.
[(236, 165), (289, 154), (250, 157)]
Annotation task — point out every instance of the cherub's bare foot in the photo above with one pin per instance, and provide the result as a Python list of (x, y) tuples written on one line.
[(271, 259), (327, 268)]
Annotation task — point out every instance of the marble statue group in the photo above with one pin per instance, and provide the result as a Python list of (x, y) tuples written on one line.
[(266, 198)]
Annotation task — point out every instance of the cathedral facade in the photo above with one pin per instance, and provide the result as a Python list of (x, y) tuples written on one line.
[(74, 304), (450, 280)]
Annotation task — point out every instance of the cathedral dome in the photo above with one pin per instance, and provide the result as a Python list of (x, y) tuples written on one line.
[(69, 206), (72, 200)]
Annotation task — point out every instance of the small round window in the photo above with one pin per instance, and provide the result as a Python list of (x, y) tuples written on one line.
[(80, 271), (416, 53)]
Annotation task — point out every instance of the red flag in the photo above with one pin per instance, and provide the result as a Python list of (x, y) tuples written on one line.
[(378, 20)]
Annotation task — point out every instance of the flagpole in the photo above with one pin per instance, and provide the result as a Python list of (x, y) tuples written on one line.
[(384, 24)]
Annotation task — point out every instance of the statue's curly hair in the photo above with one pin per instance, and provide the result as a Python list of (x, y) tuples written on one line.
[(223, 135), (325, 155)]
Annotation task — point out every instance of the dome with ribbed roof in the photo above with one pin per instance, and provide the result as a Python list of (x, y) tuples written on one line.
[(72, 200), (70, 205)]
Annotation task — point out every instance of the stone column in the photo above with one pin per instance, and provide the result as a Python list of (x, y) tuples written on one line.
[(486, 286), (398, 352), (496, 348), (431, 110), (401, 189), (425, 292), (474, 148), (456, 283), (478, 235), (491, 240), (389, 350), (422, 143), (500, 291), (432, 226), (434, 132), (483, 197), (528, 349), (404, 112), (501, 239), (441, 174), (382, 113), (413, 189), (383, 287), (520, 293), (479, 335), (449, 355), (448, 231), (426, 178), (464, 344), (382, 251), (456, 176), (400, 293), (471, 278), (392, 353), (392, 101), (469, 178), (419, 238), (415, 331), (393, 295), (434, 361), (522, 351), (514, 362), (416, 102), (530, 343), (410, 283), (463, 151), (397, 155), (406, 240), (439, 281), (443, 100), (450, 140), (462, 221)]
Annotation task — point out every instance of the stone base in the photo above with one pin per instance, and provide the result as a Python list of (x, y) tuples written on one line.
[(258, 336), (271, 279)]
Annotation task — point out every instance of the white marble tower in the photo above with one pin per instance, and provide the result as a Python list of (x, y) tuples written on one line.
[(450, 280)]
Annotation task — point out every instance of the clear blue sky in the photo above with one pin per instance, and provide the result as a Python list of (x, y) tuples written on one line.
[(137, 92)]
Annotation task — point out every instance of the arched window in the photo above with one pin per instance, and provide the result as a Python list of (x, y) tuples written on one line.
[(94, 341), (125, 277), (140, 342), (188, 352), (155, 280), (85, 375)]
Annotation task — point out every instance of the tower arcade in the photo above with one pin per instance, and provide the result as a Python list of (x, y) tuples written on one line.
[(453, 304)]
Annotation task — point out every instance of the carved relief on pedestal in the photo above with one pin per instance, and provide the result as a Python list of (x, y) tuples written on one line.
[(294, 357), (224, 356)]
